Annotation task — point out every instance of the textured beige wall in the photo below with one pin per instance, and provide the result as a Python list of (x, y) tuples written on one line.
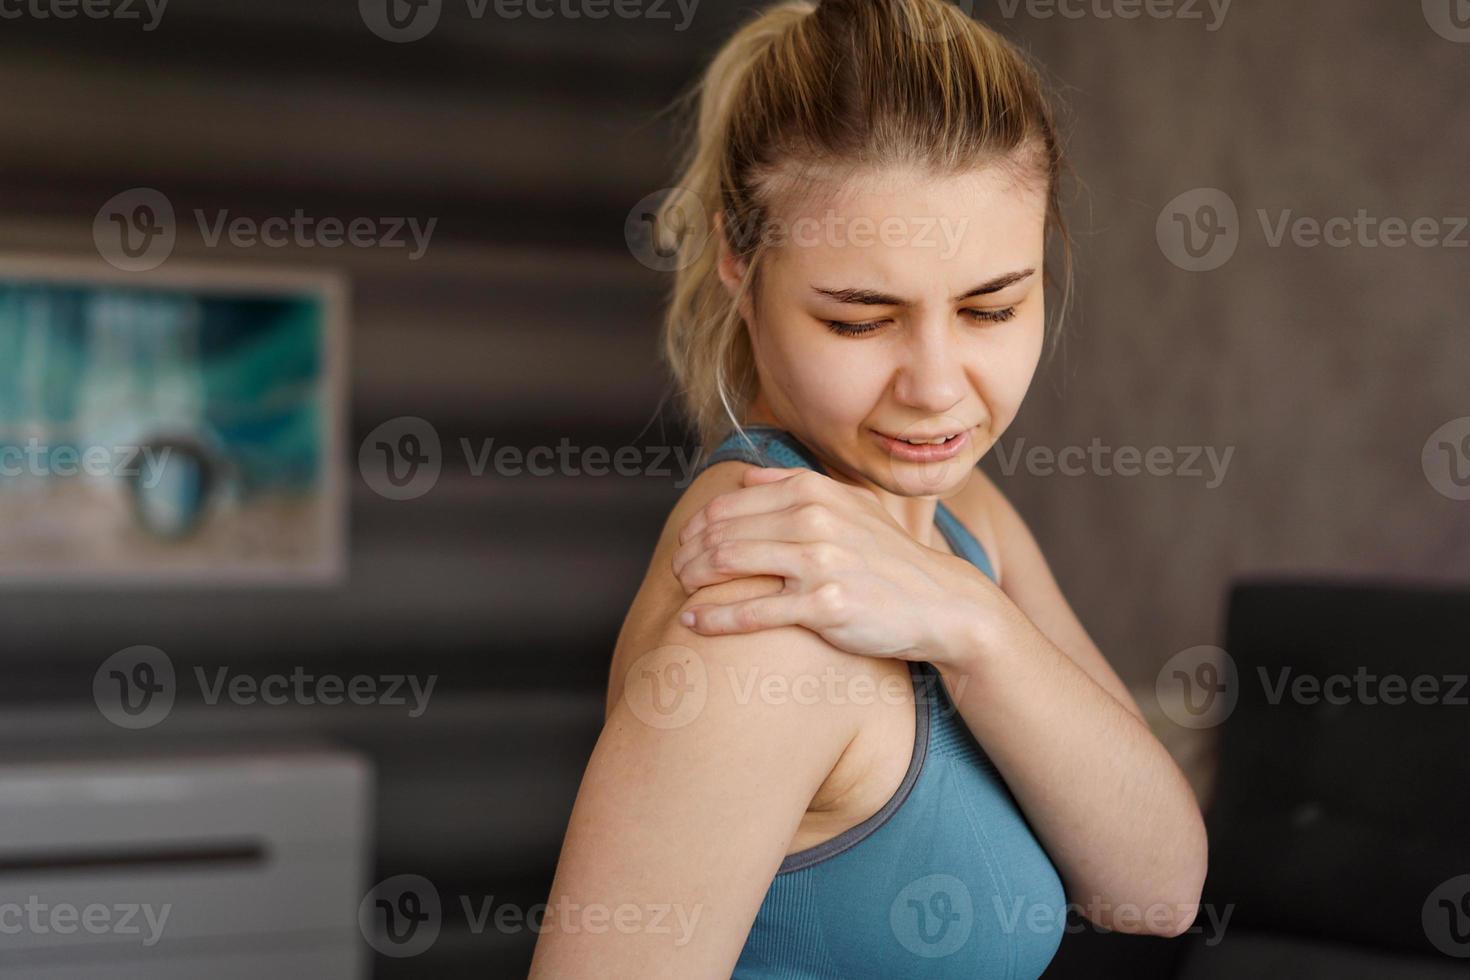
[(1325, 368)]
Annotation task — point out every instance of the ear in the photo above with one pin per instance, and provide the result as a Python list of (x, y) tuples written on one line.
[(731, 268)]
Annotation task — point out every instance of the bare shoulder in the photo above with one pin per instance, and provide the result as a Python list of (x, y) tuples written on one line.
[(701, 776), (787, 653)]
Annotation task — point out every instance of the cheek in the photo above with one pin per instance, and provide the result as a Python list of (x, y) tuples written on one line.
[(816, 373), (1004, 371)]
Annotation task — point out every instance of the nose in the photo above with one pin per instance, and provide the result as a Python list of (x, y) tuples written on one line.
[(931, 378)]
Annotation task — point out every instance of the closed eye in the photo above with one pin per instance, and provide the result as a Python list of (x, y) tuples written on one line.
[(858, 329)]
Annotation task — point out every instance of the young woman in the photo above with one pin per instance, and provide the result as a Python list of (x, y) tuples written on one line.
[(853, 728)]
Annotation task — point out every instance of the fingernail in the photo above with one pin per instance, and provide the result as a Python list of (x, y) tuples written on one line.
[(687, 617)]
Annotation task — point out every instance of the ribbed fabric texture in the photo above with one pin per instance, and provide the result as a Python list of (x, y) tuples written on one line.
[(946, 882)]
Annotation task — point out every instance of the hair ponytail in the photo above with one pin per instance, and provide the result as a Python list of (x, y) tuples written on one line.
[(810, 86)]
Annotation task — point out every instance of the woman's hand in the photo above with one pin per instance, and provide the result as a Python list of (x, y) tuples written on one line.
[(852, 573)]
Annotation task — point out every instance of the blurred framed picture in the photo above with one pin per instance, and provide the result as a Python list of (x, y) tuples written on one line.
[(179, 426)]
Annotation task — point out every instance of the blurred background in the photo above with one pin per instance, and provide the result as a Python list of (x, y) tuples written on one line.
[(343, 299)]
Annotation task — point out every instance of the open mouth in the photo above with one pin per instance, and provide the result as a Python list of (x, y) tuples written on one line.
[(924, 448), (935, 441)]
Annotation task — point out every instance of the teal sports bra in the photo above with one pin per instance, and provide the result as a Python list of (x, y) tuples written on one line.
[(946, 881)]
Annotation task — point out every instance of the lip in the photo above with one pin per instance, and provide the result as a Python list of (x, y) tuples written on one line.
[(910, 453)]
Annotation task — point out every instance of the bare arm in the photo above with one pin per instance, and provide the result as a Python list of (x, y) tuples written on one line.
[(689, 803), (1117, 816)]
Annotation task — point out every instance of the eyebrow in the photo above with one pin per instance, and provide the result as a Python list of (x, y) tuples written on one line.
[(869, 297)]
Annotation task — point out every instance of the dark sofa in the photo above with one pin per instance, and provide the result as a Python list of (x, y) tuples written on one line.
[(1340, 821)]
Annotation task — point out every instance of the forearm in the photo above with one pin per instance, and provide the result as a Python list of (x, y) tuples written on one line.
[(1107, 801)]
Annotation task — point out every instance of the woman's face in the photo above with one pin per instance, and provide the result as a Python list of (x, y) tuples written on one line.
[(902, 310)]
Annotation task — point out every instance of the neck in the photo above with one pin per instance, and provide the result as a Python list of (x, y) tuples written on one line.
[(914, 514)]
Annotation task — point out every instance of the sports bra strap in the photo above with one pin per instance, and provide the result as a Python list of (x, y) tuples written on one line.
[(766, 445), (763, 445)]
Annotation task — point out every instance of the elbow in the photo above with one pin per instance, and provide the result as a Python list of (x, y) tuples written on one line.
[(1165, 919), (1181, 896), (1167, 909), (1179, 904), (1179, 921)]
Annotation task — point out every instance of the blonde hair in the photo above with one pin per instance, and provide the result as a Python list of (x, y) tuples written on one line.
[(817, 86)]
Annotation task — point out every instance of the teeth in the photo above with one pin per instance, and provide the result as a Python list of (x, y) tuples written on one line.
[(928, 442)]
